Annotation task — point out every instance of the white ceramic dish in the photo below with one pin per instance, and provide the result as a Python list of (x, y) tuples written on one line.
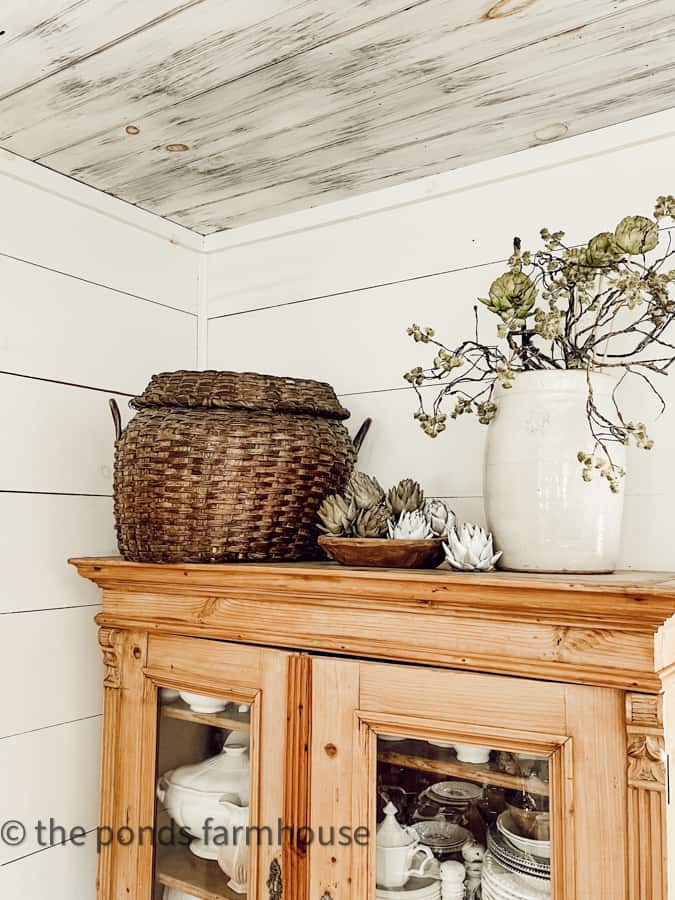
[(507, 827), (472, 753), (195, 793), (203, 704), (454, 792), (441, 835), (414, 889)]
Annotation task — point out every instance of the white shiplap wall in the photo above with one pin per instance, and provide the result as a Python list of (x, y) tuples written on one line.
[(95, 296), (328, 294)]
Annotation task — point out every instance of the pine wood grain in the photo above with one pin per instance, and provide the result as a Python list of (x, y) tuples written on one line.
[(232, 721), (201, 878), (603, 741), (597, 630)]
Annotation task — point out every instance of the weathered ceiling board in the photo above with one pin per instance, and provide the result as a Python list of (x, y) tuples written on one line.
[(206, 45), (500, 110), (42, 37), (288, 104), (358, 76)]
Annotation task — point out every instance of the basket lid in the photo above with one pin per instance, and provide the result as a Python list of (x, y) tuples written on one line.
[(241, 390)]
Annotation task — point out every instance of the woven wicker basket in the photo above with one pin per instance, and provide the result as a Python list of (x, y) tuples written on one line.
[(222, 466)]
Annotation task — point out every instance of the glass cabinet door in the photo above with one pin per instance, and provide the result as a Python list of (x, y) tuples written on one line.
[(465, 786), (202, 809), (193, 769), (465, 821)]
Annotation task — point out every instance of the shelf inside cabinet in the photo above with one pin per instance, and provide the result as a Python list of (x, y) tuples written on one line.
[(485, 773), (232, 720), (203, 878)]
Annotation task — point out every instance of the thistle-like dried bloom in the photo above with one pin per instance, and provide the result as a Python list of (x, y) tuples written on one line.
[(372, 523), (364, 490), (512, 295), (411, 526), (406, 496), (337, 514), (440, 517), (470, 549), (637, 234)]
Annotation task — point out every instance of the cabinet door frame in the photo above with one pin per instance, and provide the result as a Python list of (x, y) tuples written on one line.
[(375, 698), (137, 666)]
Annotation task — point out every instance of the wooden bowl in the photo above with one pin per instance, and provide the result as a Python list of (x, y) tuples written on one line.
[(384, 552)]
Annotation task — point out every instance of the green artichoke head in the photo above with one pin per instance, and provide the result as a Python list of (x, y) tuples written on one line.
[(603, 249), (512, 295), (636, 234)]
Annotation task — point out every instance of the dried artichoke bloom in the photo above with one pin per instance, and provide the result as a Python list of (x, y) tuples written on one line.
[(373, 522), (337, 514), (637, 234), (512, 296), (411, 526), (365, 490), (406, 496), (603, 250)]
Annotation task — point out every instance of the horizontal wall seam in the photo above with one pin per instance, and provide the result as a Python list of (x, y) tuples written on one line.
[(53, 493), (375, 286), (357, 290), (42, 849), (74, 384), (24, 612), (106, 287), (6, 737)]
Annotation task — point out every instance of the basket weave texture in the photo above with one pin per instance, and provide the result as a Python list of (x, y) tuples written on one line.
[(225, 466)]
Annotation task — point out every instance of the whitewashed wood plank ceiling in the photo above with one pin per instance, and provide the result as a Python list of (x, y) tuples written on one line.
[(216, 113)]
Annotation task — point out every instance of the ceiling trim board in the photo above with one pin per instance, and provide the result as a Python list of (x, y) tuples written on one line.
[(25, 171), (643, 130)]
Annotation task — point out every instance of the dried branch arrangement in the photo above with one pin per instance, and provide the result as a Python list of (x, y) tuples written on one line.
[(604, 306)]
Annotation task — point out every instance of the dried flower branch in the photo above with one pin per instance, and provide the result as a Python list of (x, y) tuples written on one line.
[(598, 307)]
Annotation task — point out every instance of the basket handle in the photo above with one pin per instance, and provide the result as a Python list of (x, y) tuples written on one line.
[(117, 418), (360, 436)]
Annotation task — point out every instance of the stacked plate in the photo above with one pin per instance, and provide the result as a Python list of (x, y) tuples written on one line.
[(500, 883), (413, 889), (443, 838), (516, 860), (453, 793)]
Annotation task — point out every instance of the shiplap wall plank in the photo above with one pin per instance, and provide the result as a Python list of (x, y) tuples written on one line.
[(272, 310), (45, 36), (303, 102), (177, 58), (51, 664), (357, 341), (60, 440), (41, 531), (68, 872), (73, 238), (484, 110), (471, 224), (70, 798), (74, 308), (59, 327)]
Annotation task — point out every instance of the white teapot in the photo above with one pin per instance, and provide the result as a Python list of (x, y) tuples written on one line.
[(233, 855), (396, 849)]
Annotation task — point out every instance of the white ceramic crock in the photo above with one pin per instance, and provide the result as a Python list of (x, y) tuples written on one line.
[(544, 516), (194, 794)]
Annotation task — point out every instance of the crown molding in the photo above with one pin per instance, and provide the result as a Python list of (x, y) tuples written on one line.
[(23, 170)]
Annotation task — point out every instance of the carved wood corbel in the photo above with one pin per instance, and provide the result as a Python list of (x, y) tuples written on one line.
[(109, 640)]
